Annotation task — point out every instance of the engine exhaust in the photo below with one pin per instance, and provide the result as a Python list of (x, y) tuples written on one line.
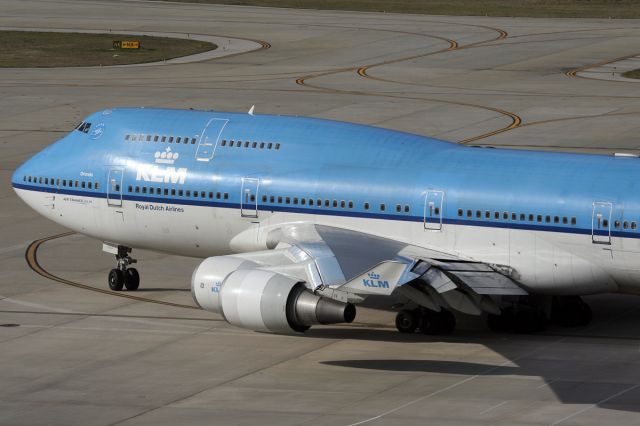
[(305, 309)]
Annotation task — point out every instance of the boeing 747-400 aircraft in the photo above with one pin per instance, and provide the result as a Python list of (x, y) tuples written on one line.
[(301, 219)]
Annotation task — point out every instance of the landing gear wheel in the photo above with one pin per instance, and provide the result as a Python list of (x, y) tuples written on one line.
[(529, 319), (116, 280), (571, 312), (132, 279), (406, 321), (443, 322), (501, 323)]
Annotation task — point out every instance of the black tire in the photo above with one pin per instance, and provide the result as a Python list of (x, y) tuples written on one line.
[(116, 280), (132, 279), (586, 314), (530, 320), (447, 321), (501, 323), (571, 312), (435, 323), (406, 321)]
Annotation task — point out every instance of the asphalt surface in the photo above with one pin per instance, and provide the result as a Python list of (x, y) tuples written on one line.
[(71, 352)]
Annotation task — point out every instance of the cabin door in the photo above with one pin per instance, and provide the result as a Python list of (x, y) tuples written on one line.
[(249, 197), (114, 188), (601, 222), (433, 210), (209, 139)]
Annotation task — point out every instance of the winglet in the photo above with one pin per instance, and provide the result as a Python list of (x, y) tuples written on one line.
[(251, 109)]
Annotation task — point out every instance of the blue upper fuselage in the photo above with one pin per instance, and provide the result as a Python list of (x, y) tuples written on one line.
[(331, 168)]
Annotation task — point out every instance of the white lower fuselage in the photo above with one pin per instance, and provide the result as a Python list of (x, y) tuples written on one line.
[(544, 262)]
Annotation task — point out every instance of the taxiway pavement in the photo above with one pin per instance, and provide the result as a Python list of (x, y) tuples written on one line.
[(71, 355)]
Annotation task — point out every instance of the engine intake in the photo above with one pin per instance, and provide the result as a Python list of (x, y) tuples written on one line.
[(262, 300)]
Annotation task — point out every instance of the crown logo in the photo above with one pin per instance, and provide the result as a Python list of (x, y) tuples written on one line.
[(166, 156), (373, 275)]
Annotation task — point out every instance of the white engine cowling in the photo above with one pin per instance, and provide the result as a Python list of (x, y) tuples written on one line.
[(262, 300)]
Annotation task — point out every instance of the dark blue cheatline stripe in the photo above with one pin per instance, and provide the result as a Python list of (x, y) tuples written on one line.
[(323, 212)]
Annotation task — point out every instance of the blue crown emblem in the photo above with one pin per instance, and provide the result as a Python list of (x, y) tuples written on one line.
[(373, 275)]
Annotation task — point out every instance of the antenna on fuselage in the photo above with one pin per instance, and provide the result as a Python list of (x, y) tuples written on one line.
[(251, 109)]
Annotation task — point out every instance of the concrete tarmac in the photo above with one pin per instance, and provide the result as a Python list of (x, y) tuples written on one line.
[(73, 353)]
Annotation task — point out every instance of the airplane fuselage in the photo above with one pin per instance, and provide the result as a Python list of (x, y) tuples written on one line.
[(209, 183)]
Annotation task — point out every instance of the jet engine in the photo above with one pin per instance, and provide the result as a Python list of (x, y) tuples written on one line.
[(262, 300)]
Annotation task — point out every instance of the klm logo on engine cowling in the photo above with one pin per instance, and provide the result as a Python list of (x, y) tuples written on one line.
[(375, 281), (170, 174)]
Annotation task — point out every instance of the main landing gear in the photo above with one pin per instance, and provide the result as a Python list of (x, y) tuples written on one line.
[(527, 317), (123, 276), (428, 321)]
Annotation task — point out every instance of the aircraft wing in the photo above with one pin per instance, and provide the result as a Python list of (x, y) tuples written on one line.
[(349, 266)]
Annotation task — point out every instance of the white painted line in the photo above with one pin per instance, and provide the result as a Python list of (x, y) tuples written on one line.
[(493, 407)]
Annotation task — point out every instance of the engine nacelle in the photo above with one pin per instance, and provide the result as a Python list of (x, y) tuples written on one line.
[(262, 300)]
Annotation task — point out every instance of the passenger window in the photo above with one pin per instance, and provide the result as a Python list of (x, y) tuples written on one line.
[(127, 137), (460, 212), (89, 184), (382, 207), (478, 214), (246, 144), (505, 215), (137, 189), (78, 185), (350, 204), (144, 189), (224, 142), (226, 195), (185, 140), (203, 195), (573, 221), (64, 182), (264, 198), (272, 199), (277, 146), (255, 144), (211, 195), (173, 192), (279, 200), (366, 206), (130, 188), (335, 203), (634, 225), (310, 201), (193, 141), (437, 210), (319, 202), (218, 195), (496, 215), (556, 219), (326, 203), (166, 191), (269, 146), (616, 224), (187, 193), (295, 200), (261, 145), (46, 181), (164, 139), (605, 223), (342, 204), (180, 192), (487, 214), (564, 220), (625, 225), (178, 139), (303, 201), (469, 213), (96, 186), (287, 200), (231, 143), (148, 138), (155, 138)]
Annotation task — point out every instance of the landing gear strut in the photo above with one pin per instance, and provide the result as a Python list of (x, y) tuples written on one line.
[(428, 321), (123, 276)]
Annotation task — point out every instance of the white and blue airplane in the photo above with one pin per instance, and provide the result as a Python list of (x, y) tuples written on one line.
[(301, 219)]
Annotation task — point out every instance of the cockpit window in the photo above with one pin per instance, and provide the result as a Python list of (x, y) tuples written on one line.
[(83, 127)]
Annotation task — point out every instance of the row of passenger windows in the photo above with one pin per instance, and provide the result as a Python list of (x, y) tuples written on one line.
[(479, 214), (249, 144), (61, 183), (141, 137), (177, 192), (320, 202)]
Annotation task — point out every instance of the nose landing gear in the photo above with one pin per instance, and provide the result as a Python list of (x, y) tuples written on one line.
[(122, 275)]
